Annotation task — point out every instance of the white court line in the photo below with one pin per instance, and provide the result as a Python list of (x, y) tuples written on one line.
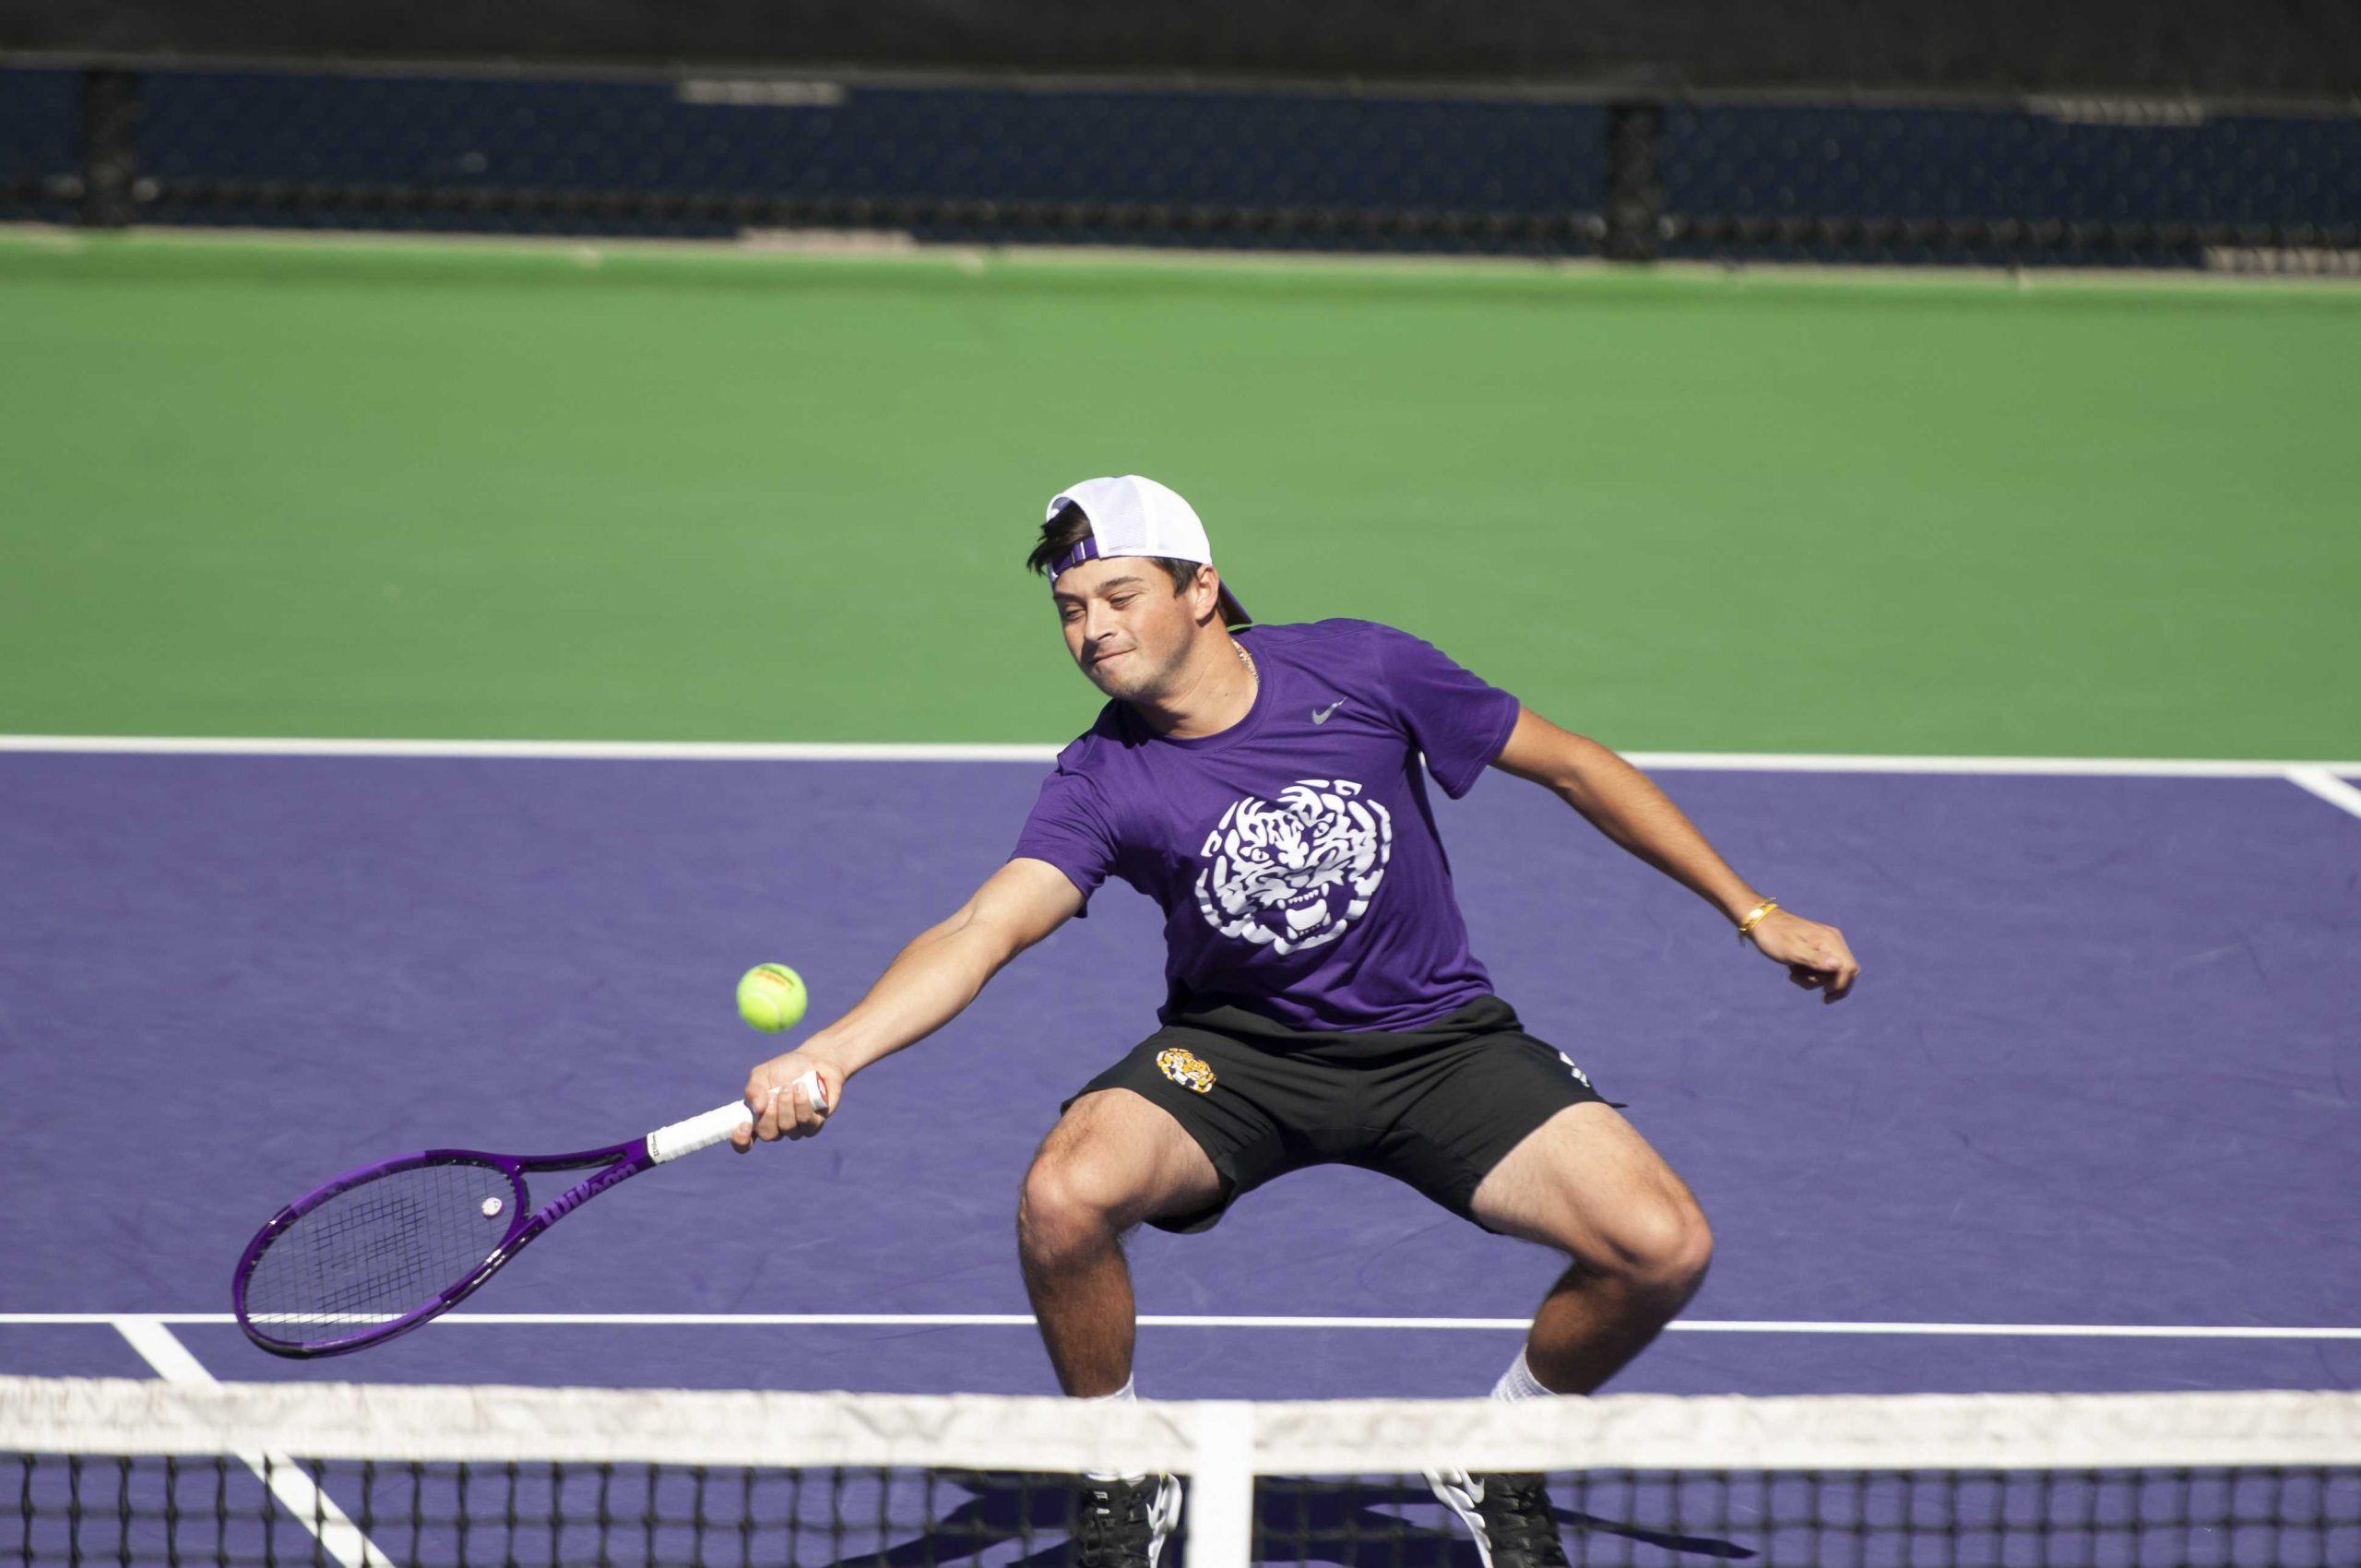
[(558, 751), (1153, 1320), (2328, 786), (2027, 767), (287, 1481), (799, 751)]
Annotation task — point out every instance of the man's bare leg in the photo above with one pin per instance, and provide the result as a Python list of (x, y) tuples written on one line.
[(1112, 1161), (1586, 1183)]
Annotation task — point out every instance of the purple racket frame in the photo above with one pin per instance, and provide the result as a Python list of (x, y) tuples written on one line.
[(616, 1163)]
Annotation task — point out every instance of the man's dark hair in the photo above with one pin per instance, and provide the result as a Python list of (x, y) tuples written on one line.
[(1070, 527)]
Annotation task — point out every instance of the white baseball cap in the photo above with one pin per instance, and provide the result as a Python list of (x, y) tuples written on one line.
[(1130, 514)]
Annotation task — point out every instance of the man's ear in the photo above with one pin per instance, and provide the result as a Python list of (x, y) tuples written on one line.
[(1204, 595)]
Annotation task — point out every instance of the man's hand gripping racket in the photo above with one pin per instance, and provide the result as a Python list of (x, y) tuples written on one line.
[(386, 1247), (789, 1097)]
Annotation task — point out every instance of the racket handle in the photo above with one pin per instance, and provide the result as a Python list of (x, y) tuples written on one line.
[(704, 1132), (697, 1132)]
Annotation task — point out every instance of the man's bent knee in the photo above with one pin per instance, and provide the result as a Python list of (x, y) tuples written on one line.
[(1663, 1246), (1586, 1183), (1112, 1161), (1065, 1206)]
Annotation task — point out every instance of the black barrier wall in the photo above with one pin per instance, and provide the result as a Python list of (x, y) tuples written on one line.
[(2307, 47)]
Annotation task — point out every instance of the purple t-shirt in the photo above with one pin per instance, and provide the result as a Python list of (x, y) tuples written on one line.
[(1294, 854)]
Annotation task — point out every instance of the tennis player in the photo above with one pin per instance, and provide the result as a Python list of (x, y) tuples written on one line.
[(1264, 787)]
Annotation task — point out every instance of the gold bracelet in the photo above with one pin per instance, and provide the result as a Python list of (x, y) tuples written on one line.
[(1755, 918)]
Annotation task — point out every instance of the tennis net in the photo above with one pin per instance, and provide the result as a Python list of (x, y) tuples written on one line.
[(360, 1476)]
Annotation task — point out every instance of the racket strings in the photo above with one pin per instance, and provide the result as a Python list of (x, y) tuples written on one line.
[(380, 1250)]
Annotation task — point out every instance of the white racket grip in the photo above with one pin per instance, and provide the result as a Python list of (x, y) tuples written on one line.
[(704, 1132), (697, 1132)]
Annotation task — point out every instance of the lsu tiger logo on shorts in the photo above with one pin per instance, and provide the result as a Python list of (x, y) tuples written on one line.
[(1184, 1068)]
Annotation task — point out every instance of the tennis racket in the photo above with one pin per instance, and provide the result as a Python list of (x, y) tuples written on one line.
[(384, 1248)]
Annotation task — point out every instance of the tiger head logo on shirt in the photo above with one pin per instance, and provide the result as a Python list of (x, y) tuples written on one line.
[(1294, 873)]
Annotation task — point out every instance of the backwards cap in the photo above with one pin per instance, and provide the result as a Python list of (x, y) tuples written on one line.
[(1133, 516)]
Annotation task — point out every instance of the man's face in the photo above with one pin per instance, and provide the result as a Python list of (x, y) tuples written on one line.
[(1124, 624)]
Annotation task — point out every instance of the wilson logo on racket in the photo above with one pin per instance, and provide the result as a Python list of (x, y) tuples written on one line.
[(1185, 1069)]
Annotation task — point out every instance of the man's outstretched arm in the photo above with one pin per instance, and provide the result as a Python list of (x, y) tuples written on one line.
[(925, 987), (1621, 802)]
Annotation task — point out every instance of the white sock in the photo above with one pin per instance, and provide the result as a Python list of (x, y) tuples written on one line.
[(1128, 1395), (1518, 1383)]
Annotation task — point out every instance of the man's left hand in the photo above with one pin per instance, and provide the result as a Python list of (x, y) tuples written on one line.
[(1815, 955)]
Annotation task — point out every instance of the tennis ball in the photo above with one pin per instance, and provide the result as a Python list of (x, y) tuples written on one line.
[(771, 998)]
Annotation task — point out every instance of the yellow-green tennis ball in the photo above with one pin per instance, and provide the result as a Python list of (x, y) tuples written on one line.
[(771, 998)]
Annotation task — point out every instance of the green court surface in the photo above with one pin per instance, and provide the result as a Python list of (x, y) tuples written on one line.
[(463, 490)]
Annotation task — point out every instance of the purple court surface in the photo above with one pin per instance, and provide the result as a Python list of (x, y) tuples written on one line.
[(2102, 1073)]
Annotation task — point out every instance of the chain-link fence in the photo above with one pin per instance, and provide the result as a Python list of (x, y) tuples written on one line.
[(1633, 176)]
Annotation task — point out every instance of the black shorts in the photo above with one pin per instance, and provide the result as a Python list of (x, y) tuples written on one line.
[(1436, 1107)]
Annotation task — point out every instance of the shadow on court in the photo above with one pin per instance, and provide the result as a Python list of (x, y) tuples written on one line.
[(1356, 1524)]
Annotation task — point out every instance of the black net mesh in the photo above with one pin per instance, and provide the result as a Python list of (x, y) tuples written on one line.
[(1855, 1519), (41, 145), (372, 1514), (346, 1513), (2063, 182), (713, 158), (2163, 182)]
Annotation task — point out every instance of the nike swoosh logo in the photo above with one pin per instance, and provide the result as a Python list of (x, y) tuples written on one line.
[(1320, 715)]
